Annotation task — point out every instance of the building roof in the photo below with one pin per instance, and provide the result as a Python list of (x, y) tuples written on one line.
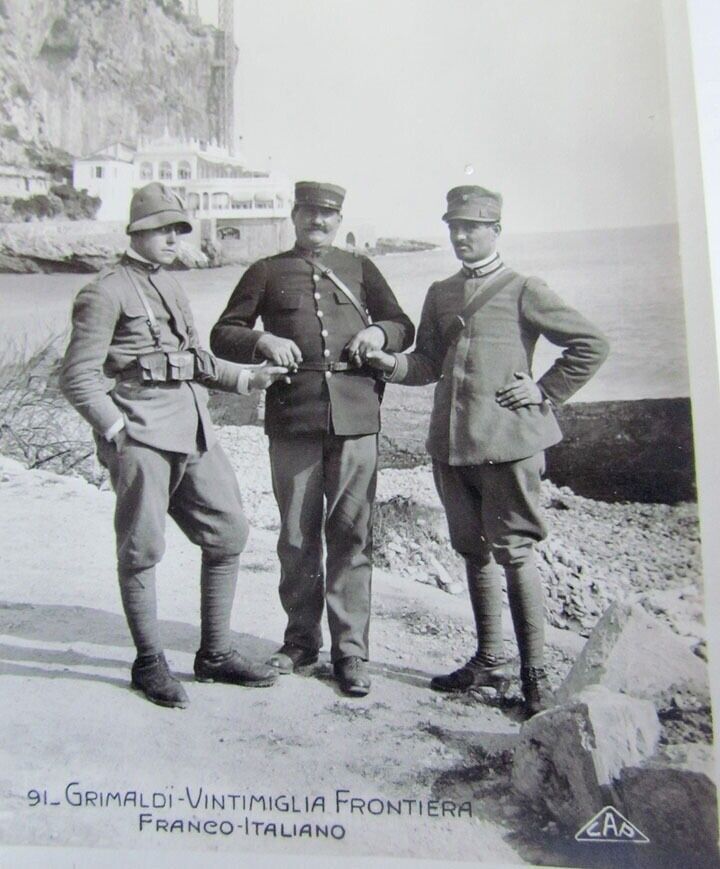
[(99, 157)]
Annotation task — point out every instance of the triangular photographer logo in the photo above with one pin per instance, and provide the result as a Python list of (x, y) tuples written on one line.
[(610, 826)]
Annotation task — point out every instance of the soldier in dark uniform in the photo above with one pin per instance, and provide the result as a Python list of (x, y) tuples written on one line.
[(135, 371), (323, 309)]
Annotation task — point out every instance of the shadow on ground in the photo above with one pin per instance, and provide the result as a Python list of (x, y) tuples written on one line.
[(48, 623)]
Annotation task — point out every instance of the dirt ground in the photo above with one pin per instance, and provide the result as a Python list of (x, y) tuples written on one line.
[(294, 769), (79, 741)]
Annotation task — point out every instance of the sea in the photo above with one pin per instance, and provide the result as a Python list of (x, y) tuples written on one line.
[(626, 281)]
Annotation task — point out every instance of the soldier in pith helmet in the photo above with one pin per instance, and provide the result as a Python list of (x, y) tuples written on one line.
[(490, 425), (323, 309), (136, 372)]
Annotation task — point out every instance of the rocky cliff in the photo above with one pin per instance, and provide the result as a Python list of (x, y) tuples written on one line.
[(79, 74)]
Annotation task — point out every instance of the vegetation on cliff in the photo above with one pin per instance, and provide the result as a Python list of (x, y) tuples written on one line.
[(62, 201)]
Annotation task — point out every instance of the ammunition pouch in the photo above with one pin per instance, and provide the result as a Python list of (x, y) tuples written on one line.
[(180, 365), (152, 367), (205, 366), (162, 367)]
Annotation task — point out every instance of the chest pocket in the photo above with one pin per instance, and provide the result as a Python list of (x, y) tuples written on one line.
[(447, 310), (132, 308), (342, 299), (283, 300)]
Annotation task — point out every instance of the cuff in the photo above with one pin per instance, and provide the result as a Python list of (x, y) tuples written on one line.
[(117, 426), (387, 376), (243, 382), (399, 372)]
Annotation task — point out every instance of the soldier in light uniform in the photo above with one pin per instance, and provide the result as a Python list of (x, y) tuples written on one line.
[(322, 310), (135, 371), (490, 425)]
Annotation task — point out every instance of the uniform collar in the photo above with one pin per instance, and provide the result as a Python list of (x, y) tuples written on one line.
[(311, 254), (483, 267), (137, 260)]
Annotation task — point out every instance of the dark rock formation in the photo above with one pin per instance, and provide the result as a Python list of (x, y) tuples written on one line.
[(639, 450), (626, 450)]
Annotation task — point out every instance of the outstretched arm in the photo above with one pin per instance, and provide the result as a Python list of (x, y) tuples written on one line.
[(424, 364)]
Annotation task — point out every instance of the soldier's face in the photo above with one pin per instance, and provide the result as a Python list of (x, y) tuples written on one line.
[(472, 240), (157, 245), (315, 227)]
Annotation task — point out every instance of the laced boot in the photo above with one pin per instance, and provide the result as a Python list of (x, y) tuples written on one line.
[(481, 671), (536, 690), (151, 675), (233, 669)]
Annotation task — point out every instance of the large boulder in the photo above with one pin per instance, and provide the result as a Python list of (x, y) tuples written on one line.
[(673, 800), (568, 757), (634, 653)]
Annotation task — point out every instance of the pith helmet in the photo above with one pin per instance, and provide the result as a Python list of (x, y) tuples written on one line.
[(156, 205), (473, 203), (320, 194)]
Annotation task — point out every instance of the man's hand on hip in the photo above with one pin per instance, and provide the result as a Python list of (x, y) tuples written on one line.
[(281, 351), (522, 392), (371, 338)]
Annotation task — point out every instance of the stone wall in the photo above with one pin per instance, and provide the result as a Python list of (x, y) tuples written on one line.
[(258, 238)]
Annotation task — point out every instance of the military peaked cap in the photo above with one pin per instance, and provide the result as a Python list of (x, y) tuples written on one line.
[(156, 205), (320, 194), (473, 203)]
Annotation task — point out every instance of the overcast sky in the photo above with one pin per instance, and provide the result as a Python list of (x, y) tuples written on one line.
[(561, 105)]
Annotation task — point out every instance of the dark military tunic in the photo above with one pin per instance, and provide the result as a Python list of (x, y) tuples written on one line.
[(321, 320), (323, 432)]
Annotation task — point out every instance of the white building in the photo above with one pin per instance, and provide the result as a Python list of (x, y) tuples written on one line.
[(213, 184), (110, 175), (21, 182), (224, 198)]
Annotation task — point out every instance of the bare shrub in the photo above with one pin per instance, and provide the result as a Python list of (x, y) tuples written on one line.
[(38, 427)]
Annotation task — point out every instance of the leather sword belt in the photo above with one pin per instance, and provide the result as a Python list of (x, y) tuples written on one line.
[(327, 366)]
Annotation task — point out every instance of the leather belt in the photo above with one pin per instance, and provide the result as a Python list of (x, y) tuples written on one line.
[(131, 373), (327, 366)]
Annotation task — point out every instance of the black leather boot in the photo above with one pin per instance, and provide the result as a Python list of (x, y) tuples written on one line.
[(478, 672), (536, 690), (151, 675), (233, 669)]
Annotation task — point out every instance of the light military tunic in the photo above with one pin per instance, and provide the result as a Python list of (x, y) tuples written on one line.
[(467, 425)]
